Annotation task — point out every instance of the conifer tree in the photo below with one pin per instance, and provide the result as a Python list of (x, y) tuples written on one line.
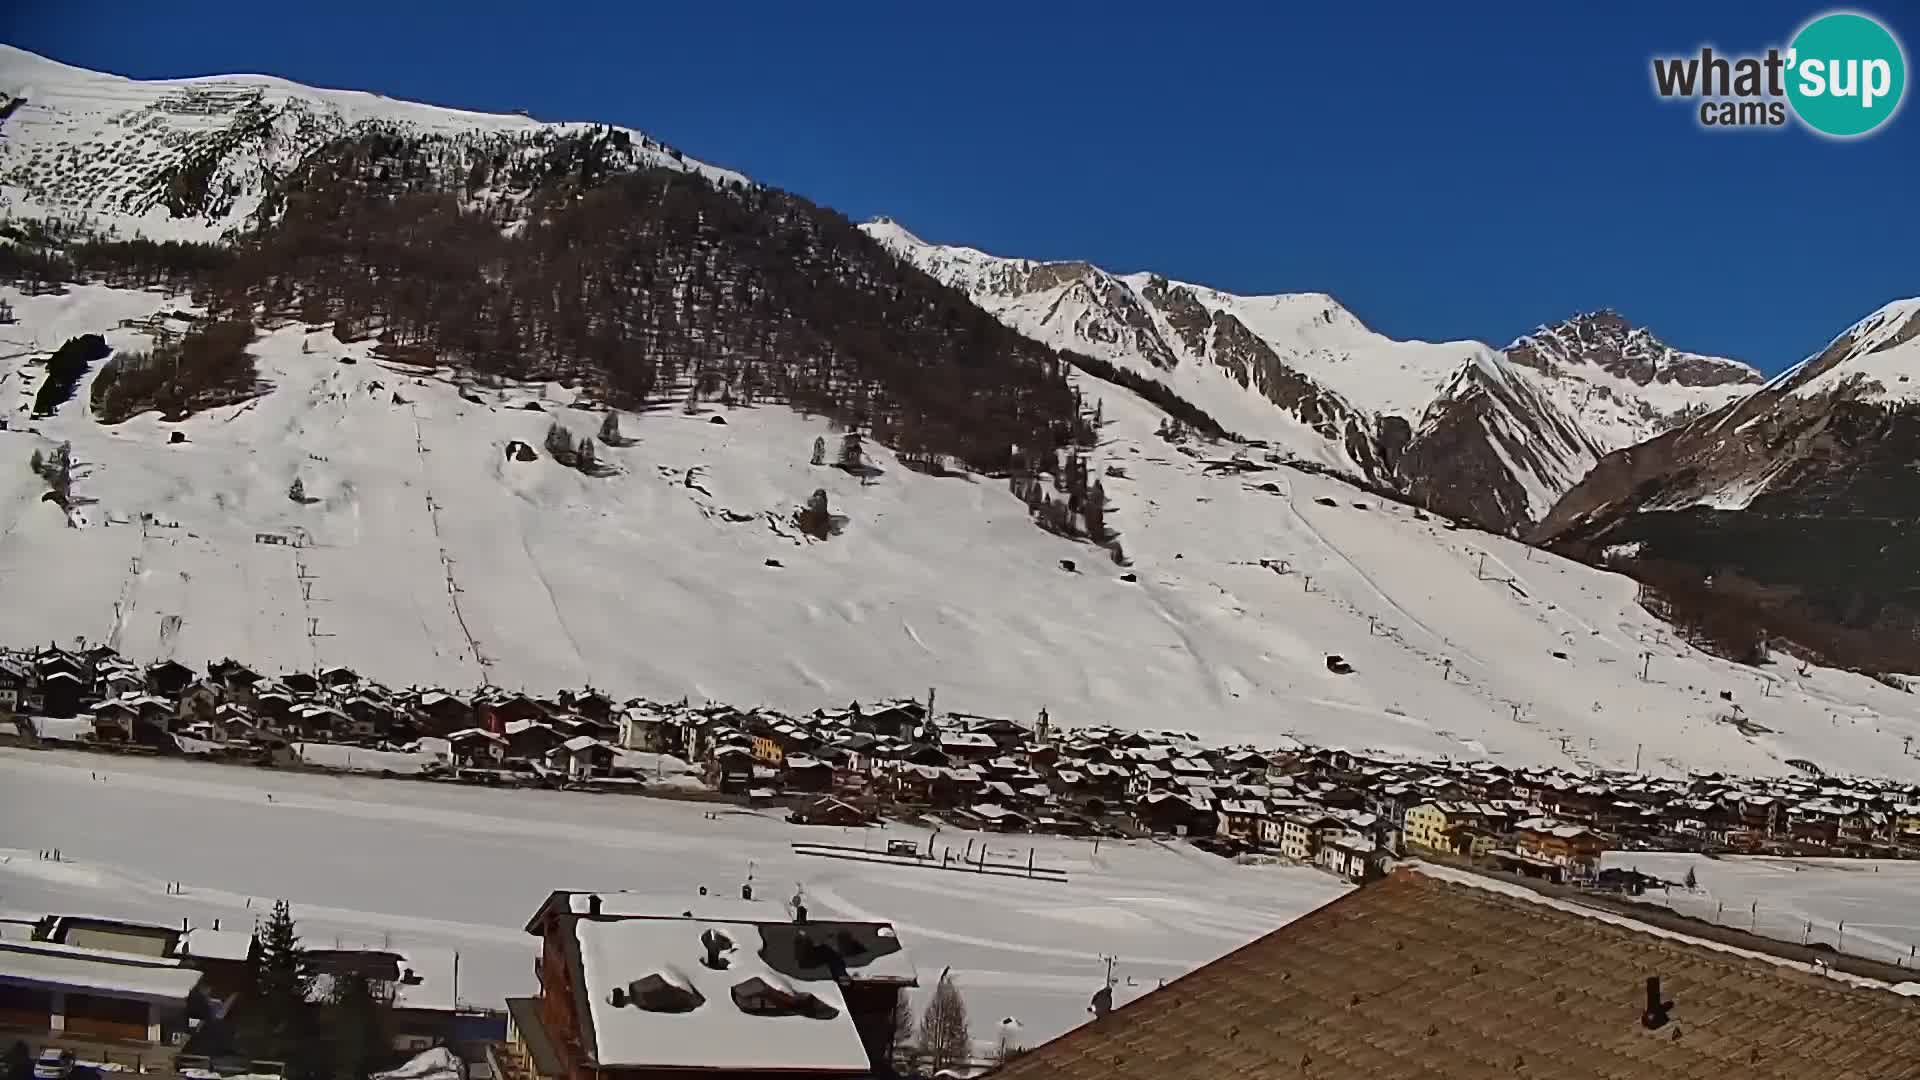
[(282, 982)]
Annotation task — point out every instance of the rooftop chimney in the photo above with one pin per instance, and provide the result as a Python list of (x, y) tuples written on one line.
[(1656, 1015), (715, 943), (593, 904)]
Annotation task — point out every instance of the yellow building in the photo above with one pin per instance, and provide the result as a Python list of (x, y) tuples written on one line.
[(768, 751), (1431, 825), (1906, 822)]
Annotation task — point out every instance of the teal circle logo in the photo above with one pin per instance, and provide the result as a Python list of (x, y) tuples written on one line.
[(1845, 74)]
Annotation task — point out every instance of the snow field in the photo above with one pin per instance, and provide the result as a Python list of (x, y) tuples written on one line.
[(1877, 900), (431, 869)]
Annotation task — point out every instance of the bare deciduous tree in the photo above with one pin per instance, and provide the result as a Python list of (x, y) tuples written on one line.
[(945, 1039)]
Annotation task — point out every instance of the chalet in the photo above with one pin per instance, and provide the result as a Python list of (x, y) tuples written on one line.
[(591, 704), (49, 661), (1185, 770), (1166, 812), (529, 740), (1352, 856), (709, 988), (337, 677), (299, 682), (319, 722), (1240, 819), (1433, 825), (60, 693), (1004, 734), (169, 677), (113, 721), (477, 748), (119, 682), (99, 655), (640, 729), (1303, 833), (233, 676), (581, 757), (730, 770), (13, 685), (828, 810), (892, 720), (993, 817), (968, 746), (514, 707), (1759, 814), (1573, 847), (804, 773), (442, 713)]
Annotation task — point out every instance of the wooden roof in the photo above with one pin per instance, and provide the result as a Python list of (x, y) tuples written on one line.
[(1416, 978)]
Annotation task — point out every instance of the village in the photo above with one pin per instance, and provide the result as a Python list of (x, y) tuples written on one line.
[(1345, 811), (181, 1000)]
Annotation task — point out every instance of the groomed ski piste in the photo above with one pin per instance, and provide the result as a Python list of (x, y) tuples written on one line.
[(425, 555)]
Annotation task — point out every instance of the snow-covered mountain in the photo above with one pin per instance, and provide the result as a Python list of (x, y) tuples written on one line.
[(190, 159), (1490, 437), (424, 552), (1624, 384), (1801, 494), (426, 546)]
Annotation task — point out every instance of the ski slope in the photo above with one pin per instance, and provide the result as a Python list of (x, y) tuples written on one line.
[(429, 557), (432, 870)]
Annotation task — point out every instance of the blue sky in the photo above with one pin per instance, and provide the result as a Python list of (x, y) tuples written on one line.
[(1446, 170)]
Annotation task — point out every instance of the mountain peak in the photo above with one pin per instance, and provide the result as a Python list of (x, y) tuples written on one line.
[(1607, 340)]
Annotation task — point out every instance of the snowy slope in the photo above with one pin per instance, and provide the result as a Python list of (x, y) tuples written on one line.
[(1494, 437), (432, 558), (1876, 359), (86, 146), (1624, 384)]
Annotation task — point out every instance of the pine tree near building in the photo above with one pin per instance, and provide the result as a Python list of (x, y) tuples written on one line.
[(278, 1013), (819, 450)]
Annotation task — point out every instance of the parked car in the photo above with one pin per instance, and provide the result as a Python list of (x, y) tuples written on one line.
[(903, 847), (53, 1064)]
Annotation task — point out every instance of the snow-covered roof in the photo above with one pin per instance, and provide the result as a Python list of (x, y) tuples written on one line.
[(217, 944), (96, 971), (716, 1033), (967, 740)]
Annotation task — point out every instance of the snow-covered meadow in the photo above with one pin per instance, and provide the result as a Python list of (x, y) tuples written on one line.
[(1865, 907), (432, 870), (430, 557)]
